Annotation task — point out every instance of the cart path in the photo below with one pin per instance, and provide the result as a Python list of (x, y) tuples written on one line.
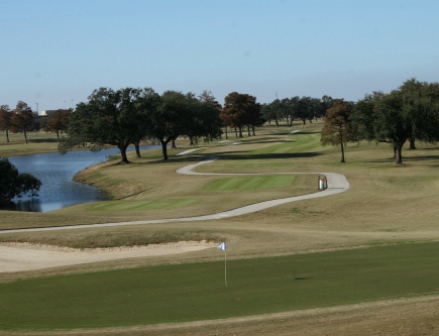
[(337, 183)]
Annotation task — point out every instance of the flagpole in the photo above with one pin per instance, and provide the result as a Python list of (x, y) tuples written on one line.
[(223, 247), (225, 267)]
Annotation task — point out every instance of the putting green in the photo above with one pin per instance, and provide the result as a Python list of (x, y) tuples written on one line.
[(188, 292)]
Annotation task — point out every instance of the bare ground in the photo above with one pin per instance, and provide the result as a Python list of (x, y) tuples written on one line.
[(15, 257)]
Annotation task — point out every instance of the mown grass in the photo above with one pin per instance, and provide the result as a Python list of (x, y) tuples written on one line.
[(251, 183), (197, 291)]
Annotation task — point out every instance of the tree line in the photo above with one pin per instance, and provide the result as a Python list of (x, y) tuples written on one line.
[(22, 119), (407, 114), (296, 108), (129, 115)]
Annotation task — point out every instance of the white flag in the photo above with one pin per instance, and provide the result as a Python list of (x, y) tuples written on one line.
[(222, 246)]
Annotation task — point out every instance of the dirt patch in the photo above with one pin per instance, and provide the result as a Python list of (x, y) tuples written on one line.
[(15, 257)]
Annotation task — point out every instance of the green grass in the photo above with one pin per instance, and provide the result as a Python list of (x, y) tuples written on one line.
[(175, 293), (251, 183)]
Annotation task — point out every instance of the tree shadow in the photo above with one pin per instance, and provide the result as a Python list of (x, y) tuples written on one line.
[(42, 140), (262, 156)]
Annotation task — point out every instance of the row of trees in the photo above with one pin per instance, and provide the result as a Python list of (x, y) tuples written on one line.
[(127, 116), (296, 108), (23, 120), (18, 120), (408, 113)]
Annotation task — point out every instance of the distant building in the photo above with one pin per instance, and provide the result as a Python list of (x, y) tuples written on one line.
[(46, 112)]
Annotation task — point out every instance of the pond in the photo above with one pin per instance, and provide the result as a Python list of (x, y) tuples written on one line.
[(56, 172)]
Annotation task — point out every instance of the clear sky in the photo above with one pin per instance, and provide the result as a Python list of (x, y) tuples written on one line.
[(56, 52)]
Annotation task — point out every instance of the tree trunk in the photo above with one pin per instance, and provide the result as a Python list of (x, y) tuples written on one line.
[(277, 122), (342, 148), (173, 144), (240, 132), (7, 136), (254, 130), (227, 135), (57, 134), (137, 147), (248, 131), (342, 154), (25, 136), (412, 143), (398, 156), (164, 149), (123, 154)]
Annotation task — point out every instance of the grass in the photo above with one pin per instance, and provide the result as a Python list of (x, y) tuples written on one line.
[(160, 204), (390, 209), (251, 183), (177, 293), (38, 142)]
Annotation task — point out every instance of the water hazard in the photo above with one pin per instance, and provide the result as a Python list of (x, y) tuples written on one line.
[(56, 173)]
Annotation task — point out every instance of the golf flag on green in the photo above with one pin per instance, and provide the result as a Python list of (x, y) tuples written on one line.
[(222, 246)]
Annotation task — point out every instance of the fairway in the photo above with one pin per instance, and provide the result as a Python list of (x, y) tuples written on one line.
[(176, 293), (251, 183)]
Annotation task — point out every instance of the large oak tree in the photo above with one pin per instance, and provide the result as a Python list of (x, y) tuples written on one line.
[(108, 118), (411, 112)]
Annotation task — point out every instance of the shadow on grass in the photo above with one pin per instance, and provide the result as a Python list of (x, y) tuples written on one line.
[(42, 140), (246, 156), (227, 156), (419, 158)]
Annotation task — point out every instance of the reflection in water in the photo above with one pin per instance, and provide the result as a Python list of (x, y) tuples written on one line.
[(56, 172)]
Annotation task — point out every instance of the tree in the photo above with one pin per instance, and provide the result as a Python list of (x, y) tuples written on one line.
[(209, 119), (22, 119), (13, 184), (411, 112), (241, 110), (108, 118), (179, 114), (5, 120), (337, 128), (58, 122), (305, 109)]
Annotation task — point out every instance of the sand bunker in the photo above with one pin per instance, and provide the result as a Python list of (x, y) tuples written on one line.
[(26, 257)]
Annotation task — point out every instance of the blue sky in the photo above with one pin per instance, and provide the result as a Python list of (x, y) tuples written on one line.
[(56, 52)]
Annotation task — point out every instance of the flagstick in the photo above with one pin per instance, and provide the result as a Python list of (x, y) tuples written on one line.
[(225, 267)]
